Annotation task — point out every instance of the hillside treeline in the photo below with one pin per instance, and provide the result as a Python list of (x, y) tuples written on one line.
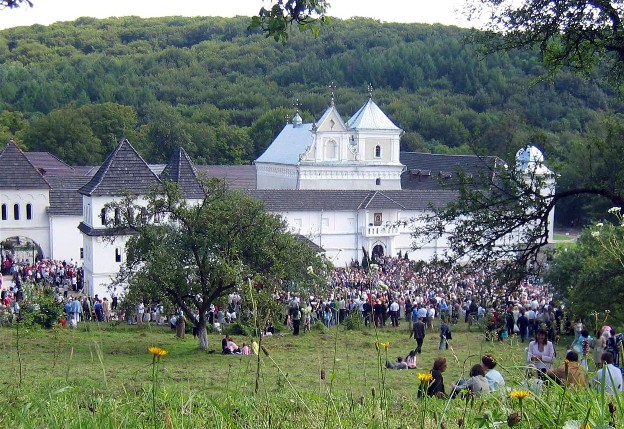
[(223, 93)]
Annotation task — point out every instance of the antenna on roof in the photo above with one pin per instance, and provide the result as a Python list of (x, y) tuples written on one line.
[(370, 90), (332, 87)]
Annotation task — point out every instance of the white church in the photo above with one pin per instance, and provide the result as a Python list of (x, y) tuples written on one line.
[(343, 185)]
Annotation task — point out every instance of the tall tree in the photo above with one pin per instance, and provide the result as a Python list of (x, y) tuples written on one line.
[(589, 275), (206, 250)]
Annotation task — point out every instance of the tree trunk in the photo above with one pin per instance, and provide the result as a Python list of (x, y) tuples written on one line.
[(202, 334), (180, 327)]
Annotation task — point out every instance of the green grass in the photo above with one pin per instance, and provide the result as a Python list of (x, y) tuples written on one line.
[(100, 376)]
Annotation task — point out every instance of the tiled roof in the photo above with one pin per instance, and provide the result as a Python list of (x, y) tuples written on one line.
[(280, 200), (47, 163), (312, 245), (371, 117), (65, 200), (236, 176), (432, 171), (17, 171), (123, 171), (181, 170)]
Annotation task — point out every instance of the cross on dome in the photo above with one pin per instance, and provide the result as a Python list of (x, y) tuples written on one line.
[(332, 87)]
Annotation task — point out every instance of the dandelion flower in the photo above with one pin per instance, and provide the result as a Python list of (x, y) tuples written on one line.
[(157, 351), (425, 377), (519, 394), (385, 345)]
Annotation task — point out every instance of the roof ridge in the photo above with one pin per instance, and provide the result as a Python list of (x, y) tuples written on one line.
[(12, 144), (391, 199)]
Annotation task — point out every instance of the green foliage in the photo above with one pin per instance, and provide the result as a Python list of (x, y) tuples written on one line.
[(41, 310), (226, 241), (589, 276), (223, 92), (354, 321)]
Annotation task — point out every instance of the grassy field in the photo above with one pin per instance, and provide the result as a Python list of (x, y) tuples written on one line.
[(102, 376)]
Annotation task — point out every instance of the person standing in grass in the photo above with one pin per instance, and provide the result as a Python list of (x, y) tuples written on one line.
[(418, 332), (445, 334)]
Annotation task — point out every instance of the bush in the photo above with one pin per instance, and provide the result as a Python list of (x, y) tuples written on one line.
[(42, 310), (320, 327), (354, 321), (238, 329)]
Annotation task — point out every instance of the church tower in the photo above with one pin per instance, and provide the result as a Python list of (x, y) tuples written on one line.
[(360, 154)]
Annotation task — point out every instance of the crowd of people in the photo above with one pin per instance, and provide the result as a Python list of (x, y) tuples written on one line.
[(428, 298)]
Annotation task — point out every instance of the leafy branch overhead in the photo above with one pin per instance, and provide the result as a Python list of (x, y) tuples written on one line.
[(277, 20), (501, 220), (11, 4), (586, 35)]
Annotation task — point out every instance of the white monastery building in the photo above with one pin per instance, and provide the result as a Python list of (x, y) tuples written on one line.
[(343, 185)]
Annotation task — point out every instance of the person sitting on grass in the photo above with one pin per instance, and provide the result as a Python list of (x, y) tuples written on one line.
[(570, 373), (494, 378), (436, 387), (477, 384), (410, 360), (229, 346), (400, 364)]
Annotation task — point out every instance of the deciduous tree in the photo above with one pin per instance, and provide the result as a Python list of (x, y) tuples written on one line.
[(203, 251)]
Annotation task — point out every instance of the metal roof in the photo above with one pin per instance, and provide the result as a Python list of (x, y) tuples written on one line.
[(371, 117), (291, 142)]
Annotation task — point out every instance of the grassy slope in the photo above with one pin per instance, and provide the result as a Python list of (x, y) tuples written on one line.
[(117, 357)]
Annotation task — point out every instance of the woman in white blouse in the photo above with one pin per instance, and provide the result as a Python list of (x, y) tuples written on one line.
[(541, 352)]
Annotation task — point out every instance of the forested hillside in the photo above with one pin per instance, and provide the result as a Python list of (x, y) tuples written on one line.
[(223, 93)]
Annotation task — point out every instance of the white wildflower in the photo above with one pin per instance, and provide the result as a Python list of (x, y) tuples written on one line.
[(615, 210), (310, 270), (595, 233), (600, 224)]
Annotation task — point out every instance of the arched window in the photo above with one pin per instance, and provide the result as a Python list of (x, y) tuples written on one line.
[(117, 254), (103, 216), (16, 211), (29, 211), (378, 181), (117, 216), (377, 151), (5, 212), (331, 150)]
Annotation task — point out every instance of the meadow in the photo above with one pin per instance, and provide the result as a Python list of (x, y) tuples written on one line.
[(103, 376)]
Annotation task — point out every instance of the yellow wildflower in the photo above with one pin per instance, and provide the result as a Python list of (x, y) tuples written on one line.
[(585, 425), (425, 377), (157, 351), (385, 345), (519, 394)]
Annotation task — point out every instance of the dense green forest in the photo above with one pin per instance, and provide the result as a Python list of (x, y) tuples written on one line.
[(223, 93)]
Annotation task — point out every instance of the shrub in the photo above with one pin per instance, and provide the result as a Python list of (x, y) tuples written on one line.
[(41, 310), (354, 321)]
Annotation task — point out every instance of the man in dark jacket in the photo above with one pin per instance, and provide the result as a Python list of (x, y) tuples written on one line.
[(418, 331)]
